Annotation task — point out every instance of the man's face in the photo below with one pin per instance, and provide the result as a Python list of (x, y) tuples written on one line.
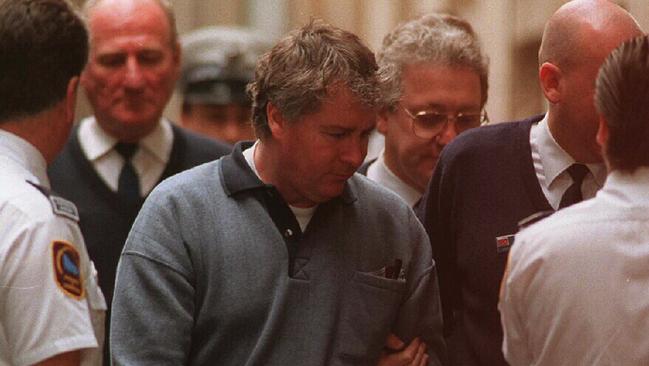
[(132, 67), (434, 88), (321, 150), (229, 123)]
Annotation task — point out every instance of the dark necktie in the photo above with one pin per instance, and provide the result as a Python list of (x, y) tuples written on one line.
[(128, 186), (573, 194)]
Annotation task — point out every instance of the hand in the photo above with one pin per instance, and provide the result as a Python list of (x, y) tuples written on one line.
[(412, 355)]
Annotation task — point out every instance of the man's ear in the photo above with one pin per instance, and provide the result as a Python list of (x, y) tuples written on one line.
[(382, 120), (602, 133), (276, 121), (71, 98), (177, 59), (550, 80)]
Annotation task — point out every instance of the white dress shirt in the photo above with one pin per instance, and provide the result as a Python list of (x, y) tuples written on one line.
[(380, 173), (551, 162), (575, 290), (39, 317), (149, 161)]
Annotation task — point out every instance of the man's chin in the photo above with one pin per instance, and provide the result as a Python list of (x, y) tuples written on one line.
[(137, 118), (330, 192)]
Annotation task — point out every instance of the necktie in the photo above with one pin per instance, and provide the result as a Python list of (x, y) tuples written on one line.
[(573, 194), (128, 186)]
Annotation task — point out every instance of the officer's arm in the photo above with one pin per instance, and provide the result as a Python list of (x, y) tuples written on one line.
[(43, 309)]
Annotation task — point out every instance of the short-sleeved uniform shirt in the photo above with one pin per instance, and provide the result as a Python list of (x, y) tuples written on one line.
[(49, 299)]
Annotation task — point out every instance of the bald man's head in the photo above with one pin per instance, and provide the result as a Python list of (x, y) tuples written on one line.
[(580, 26), (165, 5), (576, 40)]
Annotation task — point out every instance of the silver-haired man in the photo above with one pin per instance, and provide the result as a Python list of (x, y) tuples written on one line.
[(435, 84)]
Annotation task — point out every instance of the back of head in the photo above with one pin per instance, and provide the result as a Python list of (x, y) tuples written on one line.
[(622, 98), (218, 63), (44, 44), (437, 39), (300, 70)]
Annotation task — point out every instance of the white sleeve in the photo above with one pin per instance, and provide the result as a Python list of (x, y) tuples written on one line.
[(43, 296), (515, 342)]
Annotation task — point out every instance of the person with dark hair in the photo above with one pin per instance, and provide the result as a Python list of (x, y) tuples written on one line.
[(435, 83), (114, 158), (51, 308), (279, 254), (490, 178), (580, 277)]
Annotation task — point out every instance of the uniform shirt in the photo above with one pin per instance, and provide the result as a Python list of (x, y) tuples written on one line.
[(149, 160), (380, 173), (575, 292), (551, 162), (47, 283)]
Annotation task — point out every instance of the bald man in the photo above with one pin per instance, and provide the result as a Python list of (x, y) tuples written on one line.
[(489, 179)]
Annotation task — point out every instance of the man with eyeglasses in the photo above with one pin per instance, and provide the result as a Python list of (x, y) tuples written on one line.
[(492, 177), (434, 79)]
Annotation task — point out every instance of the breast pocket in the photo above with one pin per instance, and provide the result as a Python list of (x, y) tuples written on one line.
[(369, 310)]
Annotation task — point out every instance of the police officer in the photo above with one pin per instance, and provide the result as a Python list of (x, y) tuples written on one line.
[(218, 63), (51, 309)]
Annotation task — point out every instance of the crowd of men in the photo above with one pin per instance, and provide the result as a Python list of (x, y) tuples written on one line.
[(126, 239)]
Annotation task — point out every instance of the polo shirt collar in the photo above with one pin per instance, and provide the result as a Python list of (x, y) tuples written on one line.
[(238, 177)]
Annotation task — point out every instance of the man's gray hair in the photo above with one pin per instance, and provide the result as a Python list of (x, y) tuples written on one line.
[(304, 67), (165, 5), (438, 39)]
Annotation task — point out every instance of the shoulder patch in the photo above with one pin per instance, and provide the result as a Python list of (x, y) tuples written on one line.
[(67, 269), (529, 220), (65, 208), (60, 206)]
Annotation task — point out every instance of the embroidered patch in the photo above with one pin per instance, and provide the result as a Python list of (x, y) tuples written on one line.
[(65, 208), (503, 243), (67, 270)]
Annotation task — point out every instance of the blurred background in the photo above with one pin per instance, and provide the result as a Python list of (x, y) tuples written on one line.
[(510, 31)]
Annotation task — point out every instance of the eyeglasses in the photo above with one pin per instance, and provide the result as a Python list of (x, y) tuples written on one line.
[(428, 124)]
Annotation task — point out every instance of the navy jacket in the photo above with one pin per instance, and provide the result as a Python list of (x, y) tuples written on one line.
[(483, 185)]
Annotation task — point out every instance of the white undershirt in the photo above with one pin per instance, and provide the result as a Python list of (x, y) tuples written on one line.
[(551, 162), (302, 215), (149, 161), (379, 172)]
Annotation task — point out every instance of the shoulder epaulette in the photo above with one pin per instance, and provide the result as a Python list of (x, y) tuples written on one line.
[(529, 220), (60, 206)]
